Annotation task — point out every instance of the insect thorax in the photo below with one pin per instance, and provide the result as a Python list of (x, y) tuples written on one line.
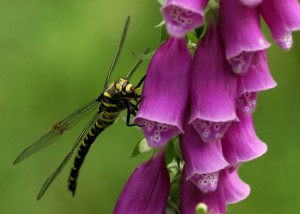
[(121, 89)]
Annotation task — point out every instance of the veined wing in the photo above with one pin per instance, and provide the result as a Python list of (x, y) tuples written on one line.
[(67, 157), (58, 129)]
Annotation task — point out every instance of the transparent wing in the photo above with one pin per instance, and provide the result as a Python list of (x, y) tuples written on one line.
[(57, 130), (67, 157), (116, 58)]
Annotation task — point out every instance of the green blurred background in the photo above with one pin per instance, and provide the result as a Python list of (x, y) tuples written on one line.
[(54, 56)]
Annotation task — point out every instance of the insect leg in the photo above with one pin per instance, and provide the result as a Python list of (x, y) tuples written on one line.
[(141, 82)]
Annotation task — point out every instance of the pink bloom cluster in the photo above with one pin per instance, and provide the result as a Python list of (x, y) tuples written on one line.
[(208, 100)]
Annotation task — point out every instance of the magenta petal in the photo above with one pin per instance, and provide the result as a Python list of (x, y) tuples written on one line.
[(240, 28), (251, 3), (147, 189), (247, 102), (258, 76), (213, 85), (210, 131), (282, 17), (241, 62), (240, 143), (206, 182), (191, 196), (164, 96), (234, 188), (200, 158), (182, 16)]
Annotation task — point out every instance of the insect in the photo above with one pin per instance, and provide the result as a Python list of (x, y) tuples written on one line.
[(117, 96)]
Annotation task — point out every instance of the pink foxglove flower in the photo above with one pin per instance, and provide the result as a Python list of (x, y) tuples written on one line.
[(147, 189), (182, 16), (228, 188), (164, 96), (191, 196), (282, 17), (213, 88), (235, 190), (200, 157), (242, 35), (240, 143), (258, 77)]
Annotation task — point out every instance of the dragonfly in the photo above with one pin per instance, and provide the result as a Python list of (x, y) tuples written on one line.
[(116, 97)]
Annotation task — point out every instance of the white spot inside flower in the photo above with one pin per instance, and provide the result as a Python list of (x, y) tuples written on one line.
[(238, 63), (206, 182), (249, 102), (218, 136), (247, 109), (206, 133), (287, 40), (217, 126)]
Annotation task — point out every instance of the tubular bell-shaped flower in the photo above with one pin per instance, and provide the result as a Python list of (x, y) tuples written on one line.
[(235, 190), (164, 96), (282, 17), (147, 189), (182, 16), (229, 189), (190, 196), (200, 157), (240, 143), (258, 76), (240, 28), (213, 88)]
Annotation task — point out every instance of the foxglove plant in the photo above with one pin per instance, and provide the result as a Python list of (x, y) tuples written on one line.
[(199, 95)]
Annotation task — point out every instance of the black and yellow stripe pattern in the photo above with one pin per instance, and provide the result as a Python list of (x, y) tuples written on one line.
[(113, 100)]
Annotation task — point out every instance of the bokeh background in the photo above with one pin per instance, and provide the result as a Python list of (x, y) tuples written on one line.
[(54, 56)]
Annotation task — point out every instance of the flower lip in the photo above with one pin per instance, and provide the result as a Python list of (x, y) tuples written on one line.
[(182, 16)]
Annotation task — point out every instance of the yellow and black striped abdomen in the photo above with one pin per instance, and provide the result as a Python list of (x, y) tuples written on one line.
[(108, 115), (82, 151)]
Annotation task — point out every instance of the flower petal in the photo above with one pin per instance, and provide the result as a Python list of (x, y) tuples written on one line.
[(234, 188), (258, 76), (200, 158), (240, 28), (247, 102), (165, 92), (282, 17), (182, 16), (213, 85), (240, 143), (206, 182), (191, 196), (147, 189)]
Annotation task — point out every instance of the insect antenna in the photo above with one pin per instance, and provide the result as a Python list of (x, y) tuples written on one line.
[(115, 60), (136, 65)]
